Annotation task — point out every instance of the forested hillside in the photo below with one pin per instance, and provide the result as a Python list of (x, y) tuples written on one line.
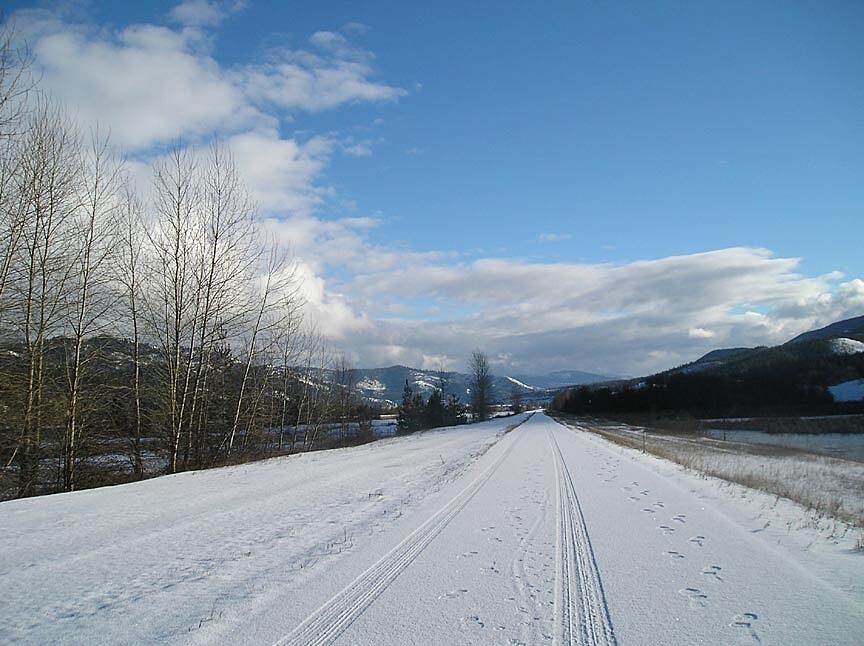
[(793, 378)]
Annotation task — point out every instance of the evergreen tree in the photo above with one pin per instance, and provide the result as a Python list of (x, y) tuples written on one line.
[(405, 422), (434, 413), (453, 411), (416, 418)]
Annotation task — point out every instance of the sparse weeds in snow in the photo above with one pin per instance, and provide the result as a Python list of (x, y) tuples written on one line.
[(211, 617)]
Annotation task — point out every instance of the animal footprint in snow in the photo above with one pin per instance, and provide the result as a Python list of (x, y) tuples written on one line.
[(698, 540), (680, 518), (490, 569), (744, 622), (659, 505), (633, 498), (675, 555), (666, 529), (648, 510), (453, 594), (713, 570), (698, 599), (473, 620), (644, 492)]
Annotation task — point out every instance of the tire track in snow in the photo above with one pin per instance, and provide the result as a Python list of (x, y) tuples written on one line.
[(581, 613), (326, 623)]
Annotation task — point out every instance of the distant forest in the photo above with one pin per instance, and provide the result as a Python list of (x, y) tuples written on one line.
[(778, 384)]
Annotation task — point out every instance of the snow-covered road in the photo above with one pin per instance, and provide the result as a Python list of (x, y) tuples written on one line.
[(463, 536)]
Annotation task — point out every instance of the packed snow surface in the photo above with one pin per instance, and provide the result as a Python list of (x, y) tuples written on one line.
[(468, 535), (848, 391)]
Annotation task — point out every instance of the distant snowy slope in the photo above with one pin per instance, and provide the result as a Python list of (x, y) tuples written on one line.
[(385, 385), (846, 346), (561, 378), (520, 384)]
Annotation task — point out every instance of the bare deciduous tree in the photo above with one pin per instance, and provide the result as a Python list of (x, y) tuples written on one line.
[(130, 277), (92, 239), (481, 385), (48, 176), (211, 360)]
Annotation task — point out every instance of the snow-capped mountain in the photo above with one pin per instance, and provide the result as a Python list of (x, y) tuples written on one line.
[(385, 385)]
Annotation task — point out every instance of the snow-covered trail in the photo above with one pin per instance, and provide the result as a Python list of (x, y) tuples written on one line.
[(567, 542), (465, 536), (677, 569)]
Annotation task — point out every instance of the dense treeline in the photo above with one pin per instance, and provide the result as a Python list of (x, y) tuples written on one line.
[(438, 410), (780, 382), (155, 327)]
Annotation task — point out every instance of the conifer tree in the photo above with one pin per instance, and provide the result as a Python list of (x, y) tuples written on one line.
[(405, 423)]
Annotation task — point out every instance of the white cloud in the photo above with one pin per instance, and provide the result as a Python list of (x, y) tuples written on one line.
[(282, 174), (700, 333), (355, 28), (358, 149), (199, 13), (631, 318), (297, 79), (148, 84), (553, 237), (151, 84)]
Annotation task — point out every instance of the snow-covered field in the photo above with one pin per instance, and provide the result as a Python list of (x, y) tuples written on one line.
[(467, 535)]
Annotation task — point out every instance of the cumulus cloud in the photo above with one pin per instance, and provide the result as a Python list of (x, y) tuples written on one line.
[(148, 83), (282, 173), (151, 83), (630, 318)]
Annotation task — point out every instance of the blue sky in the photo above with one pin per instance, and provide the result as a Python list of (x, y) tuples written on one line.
[(523, 142)]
